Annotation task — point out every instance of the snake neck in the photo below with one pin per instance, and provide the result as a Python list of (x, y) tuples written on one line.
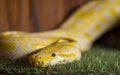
[(90, 22)]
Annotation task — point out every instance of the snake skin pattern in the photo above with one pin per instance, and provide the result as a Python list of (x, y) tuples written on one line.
[(66, 43)]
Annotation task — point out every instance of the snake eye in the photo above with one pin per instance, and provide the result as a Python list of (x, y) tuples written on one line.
[(53, 54)]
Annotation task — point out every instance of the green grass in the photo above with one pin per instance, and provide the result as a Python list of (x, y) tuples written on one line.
[(97, 61)]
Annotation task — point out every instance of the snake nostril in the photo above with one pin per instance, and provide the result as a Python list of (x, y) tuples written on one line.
[(33, 63), (40, 62)]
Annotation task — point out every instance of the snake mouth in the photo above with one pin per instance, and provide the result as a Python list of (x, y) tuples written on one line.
[(53, 61)]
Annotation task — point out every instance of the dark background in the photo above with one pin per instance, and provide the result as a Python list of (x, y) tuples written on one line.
[(35, 15)]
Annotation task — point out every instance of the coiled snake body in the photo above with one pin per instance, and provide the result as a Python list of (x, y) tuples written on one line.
[(66, 43)]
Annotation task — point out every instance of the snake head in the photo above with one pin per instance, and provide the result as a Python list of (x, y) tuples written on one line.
[(59, 52)]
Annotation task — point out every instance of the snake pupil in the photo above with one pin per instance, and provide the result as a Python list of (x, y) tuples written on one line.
[(53, 54)]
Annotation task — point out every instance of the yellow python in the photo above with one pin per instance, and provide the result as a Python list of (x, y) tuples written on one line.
[(66, 43)]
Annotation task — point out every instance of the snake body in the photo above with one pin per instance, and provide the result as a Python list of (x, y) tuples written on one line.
[(66, 43)]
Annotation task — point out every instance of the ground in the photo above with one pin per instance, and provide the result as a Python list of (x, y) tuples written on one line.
[(97, 61)]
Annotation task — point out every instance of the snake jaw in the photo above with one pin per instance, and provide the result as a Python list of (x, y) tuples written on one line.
[(52, 61), (60, 58)]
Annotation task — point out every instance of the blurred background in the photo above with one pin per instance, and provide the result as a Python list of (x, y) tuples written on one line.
[(35, 15), (42, 15)]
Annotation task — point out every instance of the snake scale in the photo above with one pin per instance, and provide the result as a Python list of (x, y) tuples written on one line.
[(66, 43)]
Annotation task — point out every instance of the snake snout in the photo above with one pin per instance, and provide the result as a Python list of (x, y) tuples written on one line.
[(35, 62), (40, 63)]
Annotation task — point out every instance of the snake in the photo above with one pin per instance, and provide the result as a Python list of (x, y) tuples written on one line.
[(66, 43)]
